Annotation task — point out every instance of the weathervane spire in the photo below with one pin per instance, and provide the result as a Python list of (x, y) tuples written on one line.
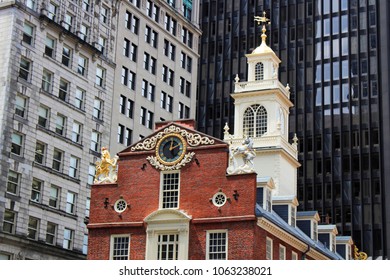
[(264, 20)]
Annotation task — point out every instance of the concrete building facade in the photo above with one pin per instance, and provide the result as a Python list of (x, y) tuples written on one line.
[(156, 67), (57, 78)]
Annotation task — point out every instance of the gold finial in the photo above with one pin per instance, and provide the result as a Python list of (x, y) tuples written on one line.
[(264, 20)]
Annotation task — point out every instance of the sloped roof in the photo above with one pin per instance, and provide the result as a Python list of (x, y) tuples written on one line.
[(296, 232)]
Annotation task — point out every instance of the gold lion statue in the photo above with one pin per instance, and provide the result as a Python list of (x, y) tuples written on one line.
[(106, 168)]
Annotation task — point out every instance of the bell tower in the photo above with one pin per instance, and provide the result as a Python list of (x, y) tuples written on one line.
[(261, 113)]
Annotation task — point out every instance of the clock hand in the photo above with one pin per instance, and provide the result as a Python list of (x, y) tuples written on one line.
[(171, 148)]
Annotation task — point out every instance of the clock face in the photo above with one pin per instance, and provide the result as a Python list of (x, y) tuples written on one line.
[(171, 149)]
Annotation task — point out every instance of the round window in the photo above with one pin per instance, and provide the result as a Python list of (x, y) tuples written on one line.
[(219, 199), (120, 205)]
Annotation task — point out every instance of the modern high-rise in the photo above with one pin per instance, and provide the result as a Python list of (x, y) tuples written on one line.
[(57, 77), (156, 67), (335, 58)]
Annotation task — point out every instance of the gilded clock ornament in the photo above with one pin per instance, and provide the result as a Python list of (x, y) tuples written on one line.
[(171, 149)]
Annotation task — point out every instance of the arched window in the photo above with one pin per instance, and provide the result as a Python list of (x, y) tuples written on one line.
[(255, 121), (259, 71)]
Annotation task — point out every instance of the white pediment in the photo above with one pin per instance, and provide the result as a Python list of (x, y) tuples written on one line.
[(167, 216)]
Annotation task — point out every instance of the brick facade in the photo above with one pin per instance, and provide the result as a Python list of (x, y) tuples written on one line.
[(139, 185)]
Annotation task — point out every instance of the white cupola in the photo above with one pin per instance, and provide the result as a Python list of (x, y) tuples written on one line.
[(261, 112)]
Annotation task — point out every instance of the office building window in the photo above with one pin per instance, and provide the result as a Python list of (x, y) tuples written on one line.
[(100, 76), (52, 11), (217, 245), (60, 124), (25, 68), (74, 165), (79, 98), (131, 22), (128, 136), (28, 33), (13, 182), (9, 221), (57, 160), (76, 132), (83, 33), (54, 197), (68, 21), (104, 11), (21, 106), (17, 144), (187, 37), (95, 141), (121, 133), (70, 203), (170, 24), (40, 150), (68, 239), (85, 244), (43, 115), (91, 173), (169, 195), (82, 65), (33, 228), (119, 247), (51, 233), (50, 46), (187, 9), (101, 45), (150, 119), (36, 190), (63, 90), (47, 80), (143, 116), (85, 5), (97, 109), (66, 56), (152, 10)]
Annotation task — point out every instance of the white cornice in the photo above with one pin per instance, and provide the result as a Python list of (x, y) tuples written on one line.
[(288, 238)]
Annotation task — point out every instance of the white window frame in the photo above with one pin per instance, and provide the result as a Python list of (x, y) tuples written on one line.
[(95, 141), (50, 234), (208, 245), (61, 124), (50, 45), (36, 190), (33, 230), (269, 249), (66, 58), (77, 129), (71, 199), (294, 255), (98, 108), (91, 173), (40, 152), (168, 244), (11, 223), (13, 182), (79, 98), (74, 166), (54, 196), (52, 11), (24, 69), (28, 33), (85, 244), (58, 160), (100, 73), (17, 141), (162, 204), (82, 64), (293, 212), (43, 116), (47, 80), (63, 92), (112, 249), (282, 252), (21, 106), (68, 239)]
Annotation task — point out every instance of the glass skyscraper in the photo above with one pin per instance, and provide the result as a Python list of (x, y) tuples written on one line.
[(335, 57)]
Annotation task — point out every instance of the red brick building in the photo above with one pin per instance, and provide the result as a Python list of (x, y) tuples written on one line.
[(181, 194)]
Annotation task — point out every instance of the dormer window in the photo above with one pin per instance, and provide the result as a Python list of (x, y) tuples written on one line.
[(259, 71), (255, 121), (293, 211), (315, 231), (268, 201)]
